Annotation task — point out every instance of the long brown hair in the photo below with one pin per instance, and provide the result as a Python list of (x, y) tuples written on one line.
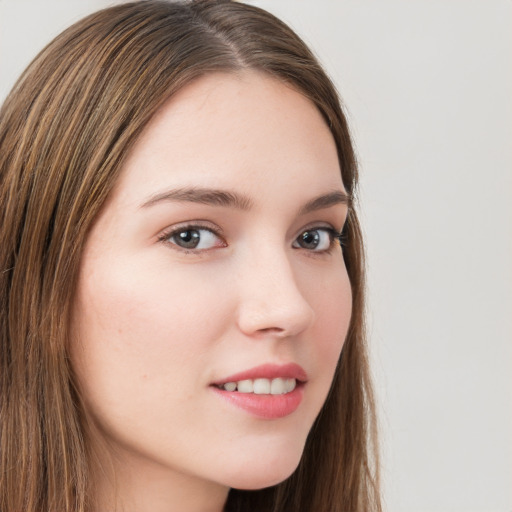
[(65, 130)]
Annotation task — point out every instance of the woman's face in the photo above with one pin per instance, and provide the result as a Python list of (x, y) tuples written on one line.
[(214, 269)]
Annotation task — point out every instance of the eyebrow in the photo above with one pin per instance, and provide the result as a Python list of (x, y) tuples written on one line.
[(226, 198), (325, 201), (209, 196)]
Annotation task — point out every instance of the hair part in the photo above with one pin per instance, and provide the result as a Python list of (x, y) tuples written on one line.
[(65, 131)]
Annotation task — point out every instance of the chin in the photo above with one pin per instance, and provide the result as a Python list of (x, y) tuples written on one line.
[(264, 473)]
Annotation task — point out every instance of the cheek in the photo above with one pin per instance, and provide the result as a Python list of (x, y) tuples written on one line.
[(336, 312), (132, 301), (132, 327), (333, 306), (142, 350)]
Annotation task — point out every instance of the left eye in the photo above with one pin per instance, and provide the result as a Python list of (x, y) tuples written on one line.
[(194, 238), (318, 239)]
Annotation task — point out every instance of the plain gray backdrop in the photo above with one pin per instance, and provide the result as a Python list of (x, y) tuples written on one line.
[(427, 86)]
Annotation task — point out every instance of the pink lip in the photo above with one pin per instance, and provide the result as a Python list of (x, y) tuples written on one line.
[(266, 406)]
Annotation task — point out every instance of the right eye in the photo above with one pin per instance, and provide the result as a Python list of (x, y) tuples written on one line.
[(195, 238)]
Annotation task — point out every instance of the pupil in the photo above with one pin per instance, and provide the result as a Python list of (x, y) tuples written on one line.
[(189, 238), (310, 238)]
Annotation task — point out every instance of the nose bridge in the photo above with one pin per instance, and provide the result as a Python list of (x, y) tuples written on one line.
[(271, 299)]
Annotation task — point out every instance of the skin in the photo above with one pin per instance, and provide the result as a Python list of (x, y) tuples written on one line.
[(156, 324)]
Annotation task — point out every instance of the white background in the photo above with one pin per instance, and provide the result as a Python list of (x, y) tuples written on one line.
[(428, 90)]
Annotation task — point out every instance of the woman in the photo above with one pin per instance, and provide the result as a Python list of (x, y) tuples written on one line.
[(182, 272)]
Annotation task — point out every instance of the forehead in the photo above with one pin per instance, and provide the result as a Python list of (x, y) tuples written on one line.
[(245, 130)]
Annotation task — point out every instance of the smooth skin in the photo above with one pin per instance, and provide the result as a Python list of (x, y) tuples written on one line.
[(206, 262)]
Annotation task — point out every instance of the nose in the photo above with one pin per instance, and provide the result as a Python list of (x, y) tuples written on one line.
[(271, 301)]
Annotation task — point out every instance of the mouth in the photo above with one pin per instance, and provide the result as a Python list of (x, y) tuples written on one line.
[(268, 391), (277, 386)]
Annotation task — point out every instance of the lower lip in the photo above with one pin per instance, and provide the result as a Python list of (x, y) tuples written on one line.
[(268, 407)]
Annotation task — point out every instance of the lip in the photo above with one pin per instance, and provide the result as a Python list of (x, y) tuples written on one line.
[(268, 407)]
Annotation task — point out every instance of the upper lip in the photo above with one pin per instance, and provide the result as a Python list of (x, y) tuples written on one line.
[(268, 371)]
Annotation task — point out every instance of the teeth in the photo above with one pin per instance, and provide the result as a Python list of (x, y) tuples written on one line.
[(245, 386), (261, 387), (290, 385), (230, 386), (277, 386)]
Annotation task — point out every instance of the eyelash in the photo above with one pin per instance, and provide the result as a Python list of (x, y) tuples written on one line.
[(336, 237)]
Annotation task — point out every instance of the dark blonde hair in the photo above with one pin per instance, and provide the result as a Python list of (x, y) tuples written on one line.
[(65, 131)]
